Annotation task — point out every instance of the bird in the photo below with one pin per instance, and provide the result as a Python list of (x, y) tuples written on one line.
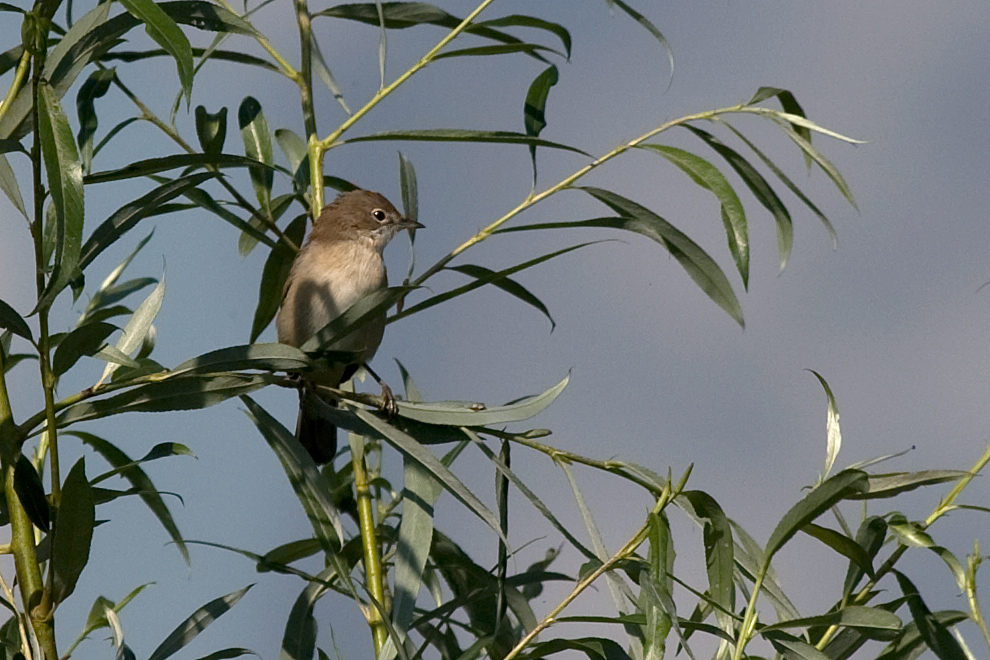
[(340, 263)]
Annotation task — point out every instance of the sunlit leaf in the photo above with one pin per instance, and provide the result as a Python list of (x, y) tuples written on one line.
[(8, 184), (257, 139), (267, 357), (163, 29), (891, 485), (138, 326), (719, 555), (833, 435)]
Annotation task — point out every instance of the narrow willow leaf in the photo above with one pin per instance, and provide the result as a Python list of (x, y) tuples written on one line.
[(828, 493), (31, 492), (97, 617), (73, 532), (273, 277), (787, 182), (595, 648), (266, 357), (202, 199), (518, 20), (708, 176), (260, 224), (165, 163), (787, 101), (842, 544), (66, 188), (211, 129), (764, 194), (197, 623), (910, 645), (96, 86), (870, 537), (326, 76), (934, 633), (84, 340), (719, 555), (642, 20), (109, 291), (510, 286), (309, 485), (368, 307), (163, 29), (11, 320), (793, 648), (534, 109), (411, 449), (823, 163), (460, 413), (656, 584), (140, 482), (833, 435), (463, 135), (138, 326), (8, 184), (909, 533), (77, 47), (891, 485), (485, 276), (257, 139), (208, 16), (498, 49), (299, 638), (699, 266), (295, 152), (127, 216), (190, 393), (232, 652), (421, 492), (958, 572)]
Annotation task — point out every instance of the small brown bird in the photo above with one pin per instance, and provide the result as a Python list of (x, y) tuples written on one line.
[(340, 263)]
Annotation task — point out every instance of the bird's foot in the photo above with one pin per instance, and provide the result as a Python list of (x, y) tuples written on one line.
[(388, 406)]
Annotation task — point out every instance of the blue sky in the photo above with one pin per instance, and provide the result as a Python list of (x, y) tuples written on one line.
[(892, 318)]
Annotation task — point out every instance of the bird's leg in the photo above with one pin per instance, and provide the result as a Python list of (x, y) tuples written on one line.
[(388, 399)]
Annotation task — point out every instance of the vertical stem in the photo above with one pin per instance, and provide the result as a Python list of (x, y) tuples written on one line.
[(369, 540), (305, 81)]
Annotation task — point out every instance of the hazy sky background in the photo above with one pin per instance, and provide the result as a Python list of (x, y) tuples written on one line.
[(659, 374)]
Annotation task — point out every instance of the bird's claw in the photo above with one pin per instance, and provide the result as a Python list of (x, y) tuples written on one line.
[(389, 407)]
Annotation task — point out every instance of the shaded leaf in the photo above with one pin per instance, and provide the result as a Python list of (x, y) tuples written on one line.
[(645, 22), (499, 49), (31, 492), (257, 139), (828, 493), (211, 129), (842, 544), (870, 537), (165, 163), (421, 492), (8, 184), (934, 633), (73, 532), (163, 29), (273, 277), (11, 320), (534, 109), (139, 480), (519, 20), (370, 306), (96, 86), (719, 555), (196, 623), (266, 357), (463, 135), (893, 484), (126, 217), (510, 286), (84, 340)]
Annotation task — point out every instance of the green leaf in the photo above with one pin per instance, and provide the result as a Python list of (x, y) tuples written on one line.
[(296, 153), (84, 340), (97, 617), (11, 320), (8, 184), (131, 471), (196, 623), (842, 544), (828, 493), (462, 413), (409, 448), (257, 139), (764, 194), (309, 485), (73, 532), (208, 16), (708, 177), (498, 49), (699, 266), (909, 644), (163, 29), (510, 286), (534, 109), (595, 648), (891, 485), (66, 188), (31, 492), (909, 533), (833, 435), (823, 163), (463, 135), (787, 101), (165, 163), (138, 326), (211, 129), (518, 20), (642, 20), (870, 537), (851, 617), (274, 275), (189, 393), (80, 44), (126, 217), (326, 76), (96, 86), (299, 639), (484, 276), (719, 555), (932, 631), (368, 307), (420, 493), (266, 357), (792, 648)]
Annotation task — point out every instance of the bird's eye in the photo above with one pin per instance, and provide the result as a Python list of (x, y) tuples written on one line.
[(379, 215)]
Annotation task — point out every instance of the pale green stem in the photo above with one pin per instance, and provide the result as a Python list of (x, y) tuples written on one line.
[(15, 85), (372, 560), (262, 40), (317, 148)]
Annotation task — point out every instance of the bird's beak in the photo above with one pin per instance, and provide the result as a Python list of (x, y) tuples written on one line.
[(409, 224)]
